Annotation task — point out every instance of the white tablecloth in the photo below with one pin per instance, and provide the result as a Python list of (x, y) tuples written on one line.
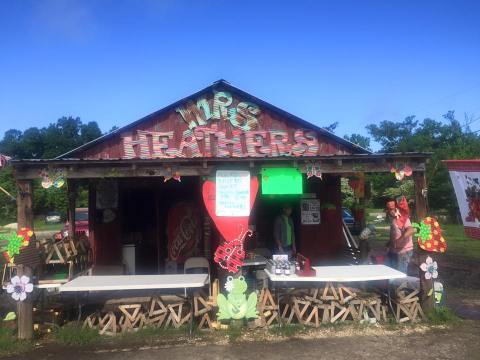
[(135, 282), (343, 274)]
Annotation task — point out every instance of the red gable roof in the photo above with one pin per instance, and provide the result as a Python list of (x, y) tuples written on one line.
[(218, 121)]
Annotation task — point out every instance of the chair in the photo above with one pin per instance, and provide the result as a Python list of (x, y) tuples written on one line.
[(194, 264), (263, 252), (261, 279)]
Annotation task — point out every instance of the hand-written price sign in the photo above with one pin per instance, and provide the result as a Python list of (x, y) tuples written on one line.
[(232, 193)]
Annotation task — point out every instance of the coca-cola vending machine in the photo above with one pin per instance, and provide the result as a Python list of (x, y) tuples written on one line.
[(184, 231)]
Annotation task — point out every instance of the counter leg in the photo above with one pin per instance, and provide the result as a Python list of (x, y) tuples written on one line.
[(190, 296), (277, 296), (389, 296)]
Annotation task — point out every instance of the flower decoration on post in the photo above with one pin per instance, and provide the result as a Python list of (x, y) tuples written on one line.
[(430, 236), (19, 287), (401, 173), (430, 268), (175, 175), (313, 169), (54, 178), (11, 244)]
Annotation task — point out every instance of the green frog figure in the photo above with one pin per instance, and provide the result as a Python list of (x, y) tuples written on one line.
[(236, 305)]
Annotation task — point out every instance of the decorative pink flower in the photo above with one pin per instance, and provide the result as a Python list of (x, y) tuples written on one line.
[(19, 287), (430, 267)]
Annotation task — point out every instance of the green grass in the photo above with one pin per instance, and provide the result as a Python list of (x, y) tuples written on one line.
[(73, 335), (458, 244), (151, 334), (442, 315), (39, 224), (369, 217), (9, 344), (287, 330)]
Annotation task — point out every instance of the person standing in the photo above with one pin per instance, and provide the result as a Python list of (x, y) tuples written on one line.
[(284, 232), (400, 245)]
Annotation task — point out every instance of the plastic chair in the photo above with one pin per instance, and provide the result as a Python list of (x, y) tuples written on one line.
[(194, 264), (262, 279)]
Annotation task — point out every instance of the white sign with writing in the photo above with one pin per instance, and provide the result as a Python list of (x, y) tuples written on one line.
[(232, 197), (310, 211)]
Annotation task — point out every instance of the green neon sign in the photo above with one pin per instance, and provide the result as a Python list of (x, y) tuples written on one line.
[(281, 181)]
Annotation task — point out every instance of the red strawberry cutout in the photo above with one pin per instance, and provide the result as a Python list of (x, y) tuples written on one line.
[(430, 235), (234, 229), (229, 227)]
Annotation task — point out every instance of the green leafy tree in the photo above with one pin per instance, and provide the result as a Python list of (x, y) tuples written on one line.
[(44, 143), (331, 127), (359, 140), (445, 140)]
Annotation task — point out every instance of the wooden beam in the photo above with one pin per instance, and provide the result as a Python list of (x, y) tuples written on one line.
[(25, 219), (420, 199), (91, 171), (426, 286), (72, 197)]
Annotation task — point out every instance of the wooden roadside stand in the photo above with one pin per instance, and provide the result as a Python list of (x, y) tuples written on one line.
[(426, 286), (156, 168)]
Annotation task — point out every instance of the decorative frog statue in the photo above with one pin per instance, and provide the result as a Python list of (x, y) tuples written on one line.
[(236, 305)]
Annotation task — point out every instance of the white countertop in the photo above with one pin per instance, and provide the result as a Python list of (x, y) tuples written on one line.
[(135, 282), (347, 273)]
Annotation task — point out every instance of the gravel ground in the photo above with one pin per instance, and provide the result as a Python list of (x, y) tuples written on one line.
[(461, 341)]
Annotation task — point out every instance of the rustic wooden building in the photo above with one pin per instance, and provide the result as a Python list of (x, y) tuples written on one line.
[(145, 179)]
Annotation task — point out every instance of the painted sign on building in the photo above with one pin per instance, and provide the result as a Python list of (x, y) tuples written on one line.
[(210, 142), (219, 129), (243, 116)]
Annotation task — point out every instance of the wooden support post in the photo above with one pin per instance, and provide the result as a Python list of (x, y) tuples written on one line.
[(72, 197), (25, 219), (426, 286), (420, 199)]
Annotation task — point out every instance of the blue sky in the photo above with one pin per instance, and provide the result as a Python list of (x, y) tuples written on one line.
[(355, 62)]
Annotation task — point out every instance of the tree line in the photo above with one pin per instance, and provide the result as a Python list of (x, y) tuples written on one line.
[(48, 142), (447, 139)]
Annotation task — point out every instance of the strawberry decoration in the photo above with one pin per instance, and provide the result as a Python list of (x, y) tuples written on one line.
[(430, 236), (14, 242), (401, 173), (234, 229)]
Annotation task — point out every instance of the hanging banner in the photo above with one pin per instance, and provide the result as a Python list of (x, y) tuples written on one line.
[(465, 176)]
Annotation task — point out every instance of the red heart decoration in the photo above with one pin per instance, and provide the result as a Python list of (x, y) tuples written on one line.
[(229, 227)]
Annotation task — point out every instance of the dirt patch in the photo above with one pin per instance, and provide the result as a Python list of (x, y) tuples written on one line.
[(459, 341)]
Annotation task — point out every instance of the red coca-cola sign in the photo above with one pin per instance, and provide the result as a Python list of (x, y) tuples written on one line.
[(184, 231)]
